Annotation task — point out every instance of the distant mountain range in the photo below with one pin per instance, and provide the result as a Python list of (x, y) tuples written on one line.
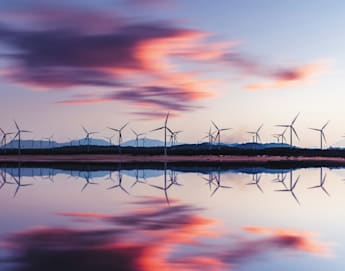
[(147, 142), (44, 144)]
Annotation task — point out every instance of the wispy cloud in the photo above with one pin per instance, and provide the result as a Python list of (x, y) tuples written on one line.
[(153, 65), (287, 77)]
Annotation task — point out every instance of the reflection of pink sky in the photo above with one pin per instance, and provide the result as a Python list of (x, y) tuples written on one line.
[(155, 237)]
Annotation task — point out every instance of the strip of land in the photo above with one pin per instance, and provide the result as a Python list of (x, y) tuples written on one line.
[(118, 158)]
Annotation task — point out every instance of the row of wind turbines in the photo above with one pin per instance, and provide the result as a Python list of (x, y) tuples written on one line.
[(213, 136)]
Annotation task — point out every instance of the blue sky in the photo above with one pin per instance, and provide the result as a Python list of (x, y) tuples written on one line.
[(238, 63)]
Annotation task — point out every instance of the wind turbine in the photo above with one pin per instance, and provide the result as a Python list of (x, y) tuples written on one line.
[(50, 138), (291, 127), (165, 128), (119, 131), (110, 139), (18, 135), (137, 135), (4, 137), (256, 135), (277, 137), (209, 136), (87, 137), (173, 137), (322, 134), (282, 136), (218, 131)]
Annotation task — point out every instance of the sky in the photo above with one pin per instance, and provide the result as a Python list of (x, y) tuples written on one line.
[(239, 63)]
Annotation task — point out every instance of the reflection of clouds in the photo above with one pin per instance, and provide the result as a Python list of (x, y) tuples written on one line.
[(152, 237)]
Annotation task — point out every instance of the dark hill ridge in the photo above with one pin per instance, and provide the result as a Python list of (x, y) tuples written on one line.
[(204, 149)]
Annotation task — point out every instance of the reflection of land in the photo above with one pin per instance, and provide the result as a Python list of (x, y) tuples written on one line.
[(229, 161), (153, 236)]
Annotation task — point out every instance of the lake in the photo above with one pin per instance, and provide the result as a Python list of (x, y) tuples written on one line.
[(171, 218)]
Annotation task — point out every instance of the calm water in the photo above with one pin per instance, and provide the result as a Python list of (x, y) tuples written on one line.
[(147, 219)]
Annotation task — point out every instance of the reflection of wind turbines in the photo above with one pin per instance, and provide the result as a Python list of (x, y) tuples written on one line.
[(165, 128), (256, 135), (292, 187), (18, 181), (18, 135), (218, 131), (87, 179), (217, 179), (322, 134), (255, 181), (137, 135), (291, 127), (119, 177), (322, 182), (87, 137), (119, 131)]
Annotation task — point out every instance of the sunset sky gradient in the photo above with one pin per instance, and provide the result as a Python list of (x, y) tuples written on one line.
[(238, 63)]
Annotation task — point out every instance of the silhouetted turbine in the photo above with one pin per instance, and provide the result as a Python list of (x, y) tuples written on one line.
[(166, 129), (18, 135), (219, 130), (119, 131), (322, 134), (137, 135), (4, 137), (291, 127), (256, 135), (87, 137)]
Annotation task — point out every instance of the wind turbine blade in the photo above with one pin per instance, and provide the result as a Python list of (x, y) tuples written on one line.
[(316, 186), (225, 129), (134, 132), (166, 118), (170, 131), (293, 122), (314, 129), (214, 125), (294, 185), (124, 126), (16, 125), (324, 137), (259, 128), (26, 131), (293, 194), (324, 179), (116, 130), (282, 125), (259, 137), (160, 128), (86, 131), (323, 127), (294, 131), (2, 131)]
